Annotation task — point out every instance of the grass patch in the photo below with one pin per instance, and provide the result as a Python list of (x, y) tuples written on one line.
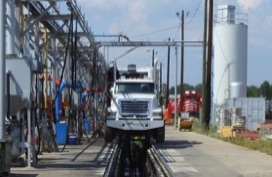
[(264, 146), (198, 127)]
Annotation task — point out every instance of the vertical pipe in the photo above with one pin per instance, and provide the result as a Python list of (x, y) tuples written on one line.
[(182, 57), (54, 66), (2, 68), (95, 85), (21, 26), (33, 131), (37, 38), (153, 58), (58, 106), (8, 94), (107, 54), (46, 69), (167, 85), (175, 119), (160, 79), (29, 136), (114, 71), (36, 52)]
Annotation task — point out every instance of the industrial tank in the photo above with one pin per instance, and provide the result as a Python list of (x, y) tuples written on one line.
[(230, 54)]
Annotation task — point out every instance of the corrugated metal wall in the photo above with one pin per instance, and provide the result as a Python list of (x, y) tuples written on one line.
[(252, 108)]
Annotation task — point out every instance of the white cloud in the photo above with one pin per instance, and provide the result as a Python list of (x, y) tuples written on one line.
[(137, 10), (249, 4), (93, 3), (103, 4), (114, 28)]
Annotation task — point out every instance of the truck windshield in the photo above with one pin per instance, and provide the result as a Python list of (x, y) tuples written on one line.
[(135, 88)]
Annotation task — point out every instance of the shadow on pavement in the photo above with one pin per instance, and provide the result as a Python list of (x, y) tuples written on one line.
[(22, 175), (177, 144)]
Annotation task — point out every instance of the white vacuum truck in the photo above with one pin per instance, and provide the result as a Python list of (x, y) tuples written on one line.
[(134, 106)]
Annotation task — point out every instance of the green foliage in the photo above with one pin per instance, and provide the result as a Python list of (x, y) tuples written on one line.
[(259, 145), (200, 128), (172, 90), (264, 90), (186, 87), (253, 91), (198, 88)]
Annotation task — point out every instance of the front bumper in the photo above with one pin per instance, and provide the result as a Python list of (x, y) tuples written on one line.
[(135, 124)]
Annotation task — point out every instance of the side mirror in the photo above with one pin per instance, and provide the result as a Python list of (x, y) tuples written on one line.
[(109, 96), (111, 91), (161, 99)]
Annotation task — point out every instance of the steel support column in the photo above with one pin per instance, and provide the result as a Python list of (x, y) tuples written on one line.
[(2, 68)]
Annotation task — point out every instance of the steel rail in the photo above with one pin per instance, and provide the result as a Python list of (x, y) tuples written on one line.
[(160, 168), (112, 166)]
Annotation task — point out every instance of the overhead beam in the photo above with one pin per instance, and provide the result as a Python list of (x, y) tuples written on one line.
[(65, 34), (148, 43), (56, 17)]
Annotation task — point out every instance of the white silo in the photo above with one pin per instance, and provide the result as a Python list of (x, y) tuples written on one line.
[(230, 54)]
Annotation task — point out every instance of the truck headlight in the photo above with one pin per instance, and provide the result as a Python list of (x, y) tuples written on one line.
[(112, 114), (157, 114)]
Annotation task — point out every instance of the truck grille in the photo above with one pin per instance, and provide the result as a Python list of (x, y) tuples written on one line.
[(134, 108)]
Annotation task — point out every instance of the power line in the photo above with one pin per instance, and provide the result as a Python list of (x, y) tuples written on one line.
[(194, 13), (169, 28), (162, 30)]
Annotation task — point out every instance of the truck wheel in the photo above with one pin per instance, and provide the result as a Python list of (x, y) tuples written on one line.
[(160, 135), (108, 135)]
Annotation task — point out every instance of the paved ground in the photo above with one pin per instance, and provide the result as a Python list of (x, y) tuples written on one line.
[(193, 155), (187, 153), (88, 159)]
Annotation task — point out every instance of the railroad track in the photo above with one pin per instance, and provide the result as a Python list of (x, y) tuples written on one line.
[(155, 166), (136, 159)]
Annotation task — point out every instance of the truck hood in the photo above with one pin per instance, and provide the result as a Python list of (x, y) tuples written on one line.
[(134, 96)]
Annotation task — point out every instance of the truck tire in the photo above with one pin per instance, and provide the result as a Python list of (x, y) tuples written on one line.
[(108, 135), (160, 135)]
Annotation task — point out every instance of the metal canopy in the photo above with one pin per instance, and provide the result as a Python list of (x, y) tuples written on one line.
[(47, 18)]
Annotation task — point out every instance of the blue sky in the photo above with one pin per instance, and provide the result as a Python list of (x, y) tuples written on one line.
[(156, 20)]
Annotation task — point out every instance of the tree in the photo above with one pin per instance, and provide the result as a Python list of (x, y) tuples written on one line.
[(198, 88), (253, 91), (265, 90), (172, 90), (186, 87)]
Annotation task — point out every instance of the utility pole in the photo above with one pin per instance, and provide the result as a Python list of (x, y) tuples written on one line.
[(167, 85), (209, 62), (153, 57), (181, 56), (161, 80), (175, 118), (204, 67)]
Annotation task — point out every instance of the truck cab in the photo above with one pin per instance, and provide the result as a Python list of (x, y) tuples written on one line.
[(134, 105)]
